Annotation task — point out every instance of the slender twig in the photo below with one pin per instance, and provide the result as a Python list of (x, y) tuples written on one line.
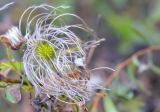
[(5, 82), (120, 67), (90, 55), (10, 81)]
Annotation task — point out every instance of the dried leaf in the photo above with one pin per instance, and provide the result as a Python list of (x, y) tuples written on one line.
[(12, 93)]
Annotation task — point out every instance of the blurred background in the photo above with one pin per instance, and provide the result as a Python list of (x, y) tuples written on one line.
[(128, 26)]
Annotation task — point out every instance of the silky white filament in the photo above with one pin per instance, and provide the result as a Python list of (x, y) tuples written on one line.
[(14, 36), (6, 6)]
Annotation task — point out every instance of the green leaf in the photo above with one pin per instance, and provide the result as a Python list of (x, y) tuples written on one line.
[(25, 88), (3, 84), (19, 65), (12, 93), (134, 105), (135, 61), (109, 105), (7, 65), (155, 69), (131, 69)]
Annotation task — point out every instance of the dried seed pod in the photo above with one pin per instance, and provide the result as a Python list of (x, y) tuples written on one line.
[(13, 38), (6, 42)]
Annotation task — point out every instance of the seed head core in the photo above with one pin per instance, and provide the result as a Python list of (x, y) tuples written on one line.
[(45, 50)]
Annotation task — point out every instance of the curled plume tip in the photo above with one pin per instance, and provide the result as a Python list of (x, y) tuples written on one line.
[(6, 6)]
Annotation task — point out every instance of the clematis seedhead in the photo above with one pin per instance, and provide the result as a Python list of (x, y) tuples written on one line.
[(55, 56)]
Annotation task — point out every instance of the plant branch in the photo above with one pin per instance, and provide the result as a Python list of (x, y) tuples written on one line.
[(9, 55), (120, 67)]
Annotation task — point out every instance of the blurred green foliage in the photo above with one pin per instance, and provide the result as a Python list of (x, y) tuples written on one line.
[(130, 28)]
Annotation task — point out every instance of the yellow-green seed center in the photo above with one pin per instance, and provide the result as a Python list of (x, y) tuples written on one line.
[(45, 50)]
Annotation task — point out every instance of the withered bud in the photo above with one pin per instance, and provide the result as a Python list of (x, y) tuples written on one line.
[(13, 38), (6, 42)]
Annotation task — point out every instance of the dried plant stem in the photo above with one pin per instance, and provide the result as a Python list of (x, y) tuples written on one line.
[(120, 67), (90, 54), (10, 81)]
